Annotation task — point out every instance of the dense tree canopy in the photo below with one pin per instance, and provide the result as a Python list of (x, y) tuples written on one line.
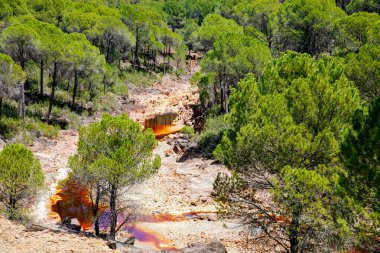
[(307, 25), (357, 30), (361, 183), (231, 60), (11, 75), (364, 69), (285, 137)]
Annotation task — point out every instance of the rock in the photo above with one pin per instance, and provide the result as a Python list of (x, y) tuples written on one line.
[(169, 153), (112, 245), (34, 228), (72, 224), (177, 149), (130, 241), (208, 216), (203, 199), (215, 247), (193, 203)]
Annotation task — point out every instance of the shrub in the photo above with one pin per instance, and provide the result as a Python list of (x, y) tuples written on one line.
[(106, 103), (10, 127), (212, 134), (120, 89), (140, 78), (188, 130), (21, 177)]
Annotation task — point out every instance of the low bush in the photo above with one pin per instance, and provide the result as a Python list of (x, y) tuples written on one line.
[(26, 134), (188, 130), (212, 134), (141, 78), (105, 103)]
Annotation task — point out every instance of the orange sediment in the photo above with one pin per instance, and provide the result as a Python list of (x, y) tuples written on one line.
[(165, 130), (162, 125), (72, 201)]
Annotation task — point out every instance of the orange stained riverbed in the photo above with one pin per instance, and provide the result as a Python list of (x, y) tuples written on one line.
[(73, 201), (163, 125)]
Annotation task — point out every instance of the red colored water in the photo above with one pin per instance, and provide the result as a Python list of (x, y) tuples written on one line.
[(168, 217), (150, 237)]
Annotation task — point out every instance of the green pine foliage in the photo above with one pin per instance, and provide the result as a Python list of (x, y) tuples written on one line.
[(285, 137), (21, 177), (360, 152), (290, 125), (113, 155)]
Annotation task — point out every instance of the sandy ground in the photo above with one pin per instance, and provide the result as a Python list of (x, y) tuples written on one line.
[(178, 187), (16, 239), (182, 188)]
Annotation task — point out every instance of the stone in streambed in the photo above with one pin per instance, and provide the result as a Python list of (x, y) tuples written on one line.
[(215, 247)]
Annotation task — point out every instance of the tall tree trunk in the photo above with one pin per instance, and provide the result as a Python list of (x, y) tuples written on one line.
[(226, 95), (95, 210), (22, 102), (137, 62), (221, 89), (148, 56), (165, 60), (1, 108), (113, 195), (104, 83), (42, 78), (294, 229), (54, 84), (74, 90), (108, 51), (154, 60), (169, 58)]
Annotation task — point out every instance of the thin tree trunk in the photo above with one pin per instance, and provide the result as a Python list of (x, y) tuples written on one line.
[(74, 90), (137, 62), (41, 78), (221, 90), (96, 209), (154, 60), (1, 108), (54, 84), (225, 95), (148, 56), (22, 102), (113, 194), (108, 53), (104, 83), (12, 207), (164, 60), (169, 58), (294, 229)]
